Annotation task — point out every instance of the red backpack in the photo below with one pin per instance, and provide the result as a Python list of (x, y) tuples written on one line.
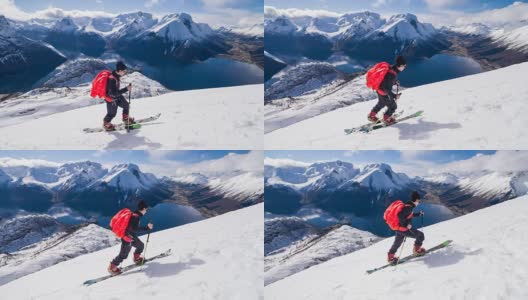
[(376, 74), (119, 222), (99, 85), (391, 214)]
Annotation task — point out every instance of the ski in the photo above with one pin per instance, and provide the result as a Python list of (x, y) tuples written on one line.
[(127, 268), (415, 115), (123, 126), (368, 127), (411, 257)]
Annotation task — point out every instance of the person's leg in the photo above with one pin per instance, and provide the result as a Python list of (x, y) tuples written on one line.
[(398, 240), (391, 106), (381, 104), (123, 254), (124, 104), (138, 244), (111, 111), (417, 235)]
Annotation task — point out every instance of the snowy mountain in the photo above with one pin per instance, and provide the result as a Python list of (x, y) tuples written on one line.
[(361, 35), (246, 187), (448, 120), (313, 249), (212, 257), (512, 38), (255, 30), (471, 29), (66, 35), (34, 242), (128, 177), (450, 272), (235, 111)]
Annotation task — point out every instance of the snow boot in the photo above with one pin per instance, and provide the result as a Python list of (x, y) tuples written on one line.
[(128, 119), (418, 251), (114, 270), (388, 120), (108, 126), (372, 117), (138, 259), (391, 259)]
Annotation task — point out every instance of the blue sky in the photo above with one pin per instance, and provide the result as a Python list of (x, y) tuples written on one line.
[(119, 156), (169, 163), (414, 6), (437, 12), (157, 6), (213, 12), (416, 163), (387, 156)]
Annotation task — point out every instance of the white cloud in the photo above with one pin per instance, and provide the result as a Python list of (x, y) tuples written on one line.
[(271, 12), (218, 3), (379, 3), (228, 17), (284, 162), (152, 3), (10, 10), (501, 161), (515, 12), (226, 166), (9, 162), (444, 3)]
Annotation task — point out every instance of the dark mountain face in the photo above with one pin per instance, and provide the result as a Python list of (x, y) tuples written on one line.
[(281, 199), (24, 62), (271, 67), (312, 46), (31, 198), (207, 201), (88, 43)]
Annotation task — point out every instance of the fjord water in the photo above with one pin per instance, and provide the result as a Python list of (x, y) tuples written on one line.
[(211, 73)]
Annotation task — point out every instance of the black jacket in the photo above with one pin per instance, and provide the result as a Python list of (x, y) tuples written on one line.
[(133, 228), (112, 86), (405, 212), (389, 80)]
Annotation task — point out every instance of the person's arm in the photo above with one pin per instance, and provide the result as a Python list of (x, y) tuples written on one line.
[(386, 85), (111, 88), (123, 90), (402, 217)]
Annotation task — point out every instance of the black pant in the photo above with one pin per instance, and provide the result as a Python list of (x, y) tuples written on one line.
[(111, 108), (385, 101), (125, 250), (412, 233)]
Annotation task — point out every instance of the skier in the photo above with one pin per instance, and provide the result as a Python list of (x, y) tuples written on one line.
[(386, 97), (130, 238), (115, 97), (398, 216)]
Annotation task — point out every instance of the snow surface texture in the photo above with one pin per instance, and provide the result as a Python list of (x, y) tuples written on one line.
[(221, 118), (483, 111), (487, 260), (213, 259), (315, 250), (48, 251)]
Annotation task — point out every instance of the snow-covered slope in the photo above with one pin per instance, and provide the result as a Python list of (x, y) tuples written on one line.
[(516, 38), (334, 95), (482, 263), (44, 251), (315, 250), (483, 111), (213, 259), (233, 115), (63, 90), (242, 186)]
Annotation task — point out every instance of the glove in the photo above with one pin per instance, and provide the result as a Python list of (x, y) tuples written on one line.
[(421, 213)]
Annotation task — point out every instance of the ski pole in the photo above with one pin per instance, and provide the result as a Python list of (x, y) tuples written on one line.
[(401, 251), (129, 104), (146, 244)]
